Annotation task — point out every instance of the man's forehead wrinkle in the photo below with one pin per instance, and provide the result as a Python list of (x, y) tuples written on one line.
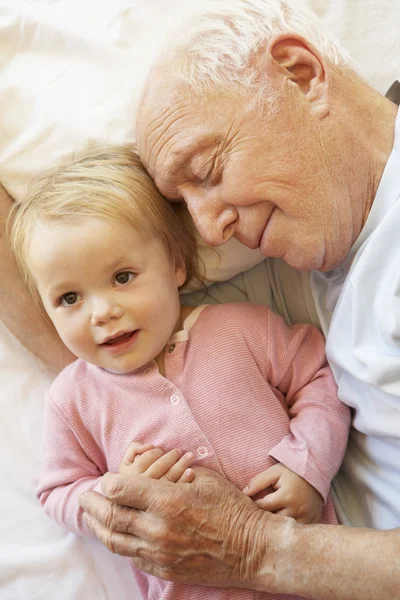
[(167, 162), (174, 161), (156, 101), (155, 130), (173, 152), (181, 154), (166, 170), (162, 130)]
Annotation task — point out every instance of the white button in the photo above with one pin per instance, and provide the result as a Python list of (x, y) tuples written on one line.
[(202, 451), (174, 399), (171, 348)]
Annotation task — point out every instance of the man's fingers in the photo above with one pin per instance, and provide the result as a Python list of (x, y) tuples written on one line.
[(138, 492), (146, 556), (124, 544), (175, 529), (112, 516)]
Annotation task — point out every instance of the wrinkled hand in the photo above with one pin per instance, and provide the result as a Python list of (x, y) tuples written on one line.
[(205, 532), (293, 496), (144, 459)]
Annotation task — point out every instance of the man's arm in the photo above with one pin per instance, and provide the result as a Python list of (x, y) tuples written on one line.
[(210, 533), (331, 562), (19, 313)]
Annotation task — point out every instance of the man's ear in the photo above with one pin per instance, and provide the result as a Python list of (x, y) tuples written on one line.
[(295, 58)]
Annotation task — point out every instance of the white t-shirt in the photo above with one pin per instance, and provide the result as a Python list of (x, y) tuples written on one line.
[(359, 308)]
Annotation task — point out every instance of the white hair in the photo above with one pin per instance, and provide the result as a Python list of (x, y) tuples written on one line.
[(213, 48)]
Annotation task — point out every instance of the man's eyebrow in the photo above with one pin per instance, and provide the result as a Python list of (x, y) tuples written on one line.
[(182, 156), (171, 167), (181, 160)]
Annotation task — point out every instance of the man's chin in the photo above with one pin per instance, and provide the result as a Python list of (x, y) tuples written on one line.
[(302, 263), (333, 262)]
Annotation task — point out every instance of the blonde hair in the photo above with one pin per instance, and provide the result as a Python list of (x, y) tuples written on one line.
[(111, 184)]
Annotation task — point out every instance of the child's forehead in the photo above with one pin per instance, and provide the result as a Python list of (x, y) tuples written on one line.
[(99, 240), (85, 228)]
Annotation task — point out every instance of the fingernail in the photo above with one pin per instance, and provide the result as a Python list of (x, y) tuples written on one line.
[(82, 500), (189, 455), (246, 489)]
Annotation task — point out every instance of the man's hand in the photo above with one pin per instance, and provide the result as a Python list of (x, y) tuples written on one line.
[(205, 532), (210, 533), (144, 459), (292, 497)]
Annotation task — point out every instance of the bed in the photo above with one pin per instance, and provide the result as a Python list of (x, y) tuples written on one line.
[(72, 71)]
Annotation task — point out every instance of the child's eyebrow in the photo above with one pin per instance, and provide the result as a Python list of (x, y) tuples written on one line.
[(62, 286), (121, 262)]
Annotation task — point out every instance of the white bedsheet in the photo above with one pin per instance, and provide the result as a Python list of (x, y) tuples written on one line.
[(38, 560)]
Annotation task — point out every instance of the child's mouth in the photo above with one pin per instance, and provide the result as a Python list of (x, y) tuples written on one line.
[(119, 339), (121, 342)]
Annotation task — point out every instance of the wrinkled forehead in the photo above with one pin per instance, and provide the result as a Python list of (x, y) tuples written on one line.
[(170, 120)]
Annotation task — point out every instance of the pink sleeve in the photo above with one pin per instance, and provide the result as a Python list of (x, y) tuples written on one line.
[(67, 471), (319, 422)]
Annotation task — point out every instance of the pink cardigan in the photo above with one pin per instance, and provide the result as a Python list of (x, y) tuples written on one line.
[(241, 390)]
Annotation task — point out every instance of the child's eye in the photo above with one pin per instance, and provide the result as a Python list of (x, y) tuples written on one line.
[(124, 277), (68, 299)]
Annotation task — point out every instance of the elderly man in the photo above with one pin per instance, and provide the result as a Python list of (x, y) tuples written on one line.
[(256, 120)]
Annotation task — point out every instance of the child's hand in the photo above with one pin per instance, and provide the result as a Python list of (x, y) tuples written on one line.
[(293, 495), (144, 459)]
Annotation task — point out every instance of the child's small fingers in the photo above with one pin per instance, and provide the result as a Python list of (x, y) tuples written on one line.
[(144, 461), (133, 450), (177, 470), (187, 476), (262, 481), (163, 464), (272, 502)]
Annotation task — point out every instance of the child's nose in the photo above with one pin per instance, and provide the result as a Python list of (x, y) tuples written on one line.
[(103, 310)]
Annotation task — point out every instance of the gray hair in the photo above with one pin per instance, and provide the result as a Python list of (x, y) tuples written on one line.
[(213, 49)]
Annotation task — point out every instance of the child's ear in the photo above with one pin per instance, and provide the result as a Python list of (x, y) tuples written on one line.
[(180, 274)]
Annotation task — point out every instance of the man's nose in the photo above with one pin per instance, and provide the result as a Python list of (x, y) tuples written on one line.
[(214, 220), (104, 309)]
